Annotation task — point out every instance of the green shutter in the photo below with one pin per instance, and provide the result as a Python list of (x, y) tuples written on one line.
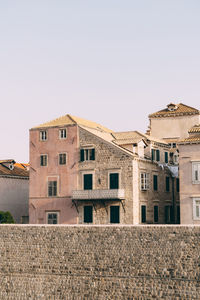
[(152, 154), (92, 154), (157, 155), (155, 182), (166, 157), (82, 155), (114, 214)]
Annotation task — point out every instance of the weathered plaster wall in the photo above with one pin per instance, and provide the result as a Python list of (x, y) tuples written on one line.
[(14, 197), (99, 262)]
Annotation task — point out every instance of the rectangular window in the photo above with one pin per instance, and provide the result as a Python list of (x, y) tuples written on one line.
[(177, 185), (144, 181), (43, 135), (196, 208), (62, 159), (52, 218), (196, 172), (166, 157), (114, 214), (87, 182), (63, 133), (155, 182), (87, 154), (155, 154), (114, 180), (143, 213), (167, 185), (88, 214), (52, 188), (43, 160), (156, 214)]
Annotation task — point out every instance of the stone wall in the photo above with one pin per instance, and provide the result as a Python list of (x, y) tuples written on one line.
[(99, 262)]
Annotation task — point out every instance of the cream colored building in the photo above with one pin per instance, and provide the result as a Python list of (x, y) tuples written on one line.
[(189, 168)]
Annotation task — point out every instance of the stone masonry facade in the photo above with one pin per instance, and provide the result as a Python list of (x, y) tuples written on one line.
[(99, 262)]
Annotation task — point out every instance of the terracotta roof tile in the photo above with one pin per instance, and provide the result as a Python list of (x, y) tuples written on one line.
[(5, 171), (192, 140), (72, 120), (181, 109), (195, 129)]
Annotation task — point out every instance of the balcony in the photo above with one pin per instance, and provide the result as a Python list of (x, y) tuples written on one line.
[(117, 194)]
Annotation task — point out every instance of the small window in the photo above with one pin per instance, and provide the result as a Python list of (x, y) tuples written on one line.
[(43, 135), (196, 172), (178, 214), (87, 154), (143, 213), (43, 160), (155, 214), (155, 182), (52, 188), (114, 180), (166, 157), (167, 184), (52, 218), (114, 214), (144, 181), (63, 133), (88, 214), (87, 181), (196, 208), (155, 154), (177, 185), (62, 159)]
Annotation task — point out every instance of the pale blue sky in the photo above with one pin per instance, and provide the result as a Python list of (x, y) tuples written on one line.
[(110, 61)]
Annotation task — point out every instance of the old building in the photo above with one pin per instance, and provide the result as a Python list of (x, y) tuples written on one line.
[(82, 172), (189, 167), (14, 189)]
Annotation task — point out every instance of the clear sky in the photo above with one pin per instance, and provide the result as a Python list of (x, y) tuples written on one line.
[(110, 61)]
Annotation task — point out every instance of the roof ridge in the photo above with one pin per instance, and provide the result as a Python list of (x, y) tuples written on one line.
[(188, 106), (71, 118)]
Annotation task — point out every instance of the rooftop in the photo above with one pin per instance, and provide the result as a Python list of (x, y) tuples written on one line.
[(175, 110)]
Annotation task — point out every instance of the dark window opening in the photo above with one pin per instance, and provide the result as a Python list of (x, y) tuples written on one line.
[(52, 218), (87, 154), (156, 214), (114, 180), (166, 157), (43, 160), (143, 213), (114, 214), (52, 188), (167, 184), (87, 181), (62, 159), (177, 185), (155, 182), (178, 215), (88, 214), (169, 214)]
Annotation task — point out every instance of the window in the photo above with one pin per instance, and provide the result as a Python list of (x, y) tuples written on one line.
[(196, 208), (178, 214), (175, 158), (144, 181), (52, 188), (87, 182), (166, 157), (63, 133), (43, 135), (177, 185), (169, 214), (88, 214), (62, 159), (87, 154), (196, 172), (114, 214), (167, 185), (156, 214), (52, 217), (114, 180), (155, 182), (43, 160), (155, 154), (143, 213)]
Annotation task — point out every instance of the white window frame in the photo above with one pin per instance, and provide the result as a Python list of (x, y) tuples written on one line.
[(59, 159), (196, 204), (43, 135), (52, 212), (61, 135), (47, 160), (196, 172), (144, 181)]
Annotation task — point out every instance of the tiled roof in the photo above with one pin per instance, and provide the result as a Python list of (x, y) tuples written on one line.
[(195, 129), (181, 109), (16, 171), (22, 165), (72, 120), (190, 140)]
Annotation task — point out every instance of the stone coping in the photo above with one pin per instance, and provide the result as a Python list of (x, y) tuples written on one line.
[(106, 225)]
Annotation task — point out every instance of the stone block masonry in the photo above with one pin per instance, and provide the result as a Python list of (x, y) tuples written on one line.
[(99, 262)]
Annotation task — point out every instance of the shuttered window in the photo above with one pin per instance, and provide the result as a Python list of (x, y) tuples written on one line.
[(87, 154), (167, 185), (155, 213), (143, 213), (114, 180), (155, 182), (87, 181), (88, 214), (114, 214)]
